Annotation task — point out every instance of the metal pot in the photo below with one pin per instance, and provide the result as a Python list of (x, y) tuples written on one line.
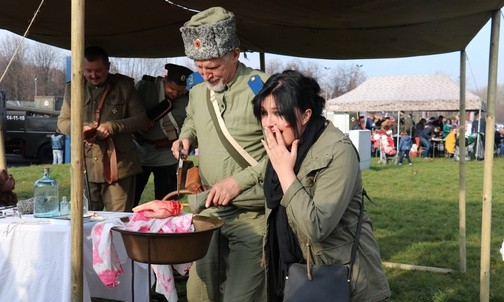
[(171, 248)]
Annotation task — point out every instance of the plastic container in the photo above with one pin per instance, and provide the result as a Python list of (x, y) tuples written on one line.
[(46, 196)]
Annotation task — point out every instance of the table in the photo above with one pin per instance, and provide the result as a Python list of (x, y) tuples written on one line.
[(35, 262), (437, 144)]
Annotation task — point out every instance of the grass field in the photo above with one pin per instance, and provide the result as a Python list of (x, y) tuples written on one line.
[(416, 221)]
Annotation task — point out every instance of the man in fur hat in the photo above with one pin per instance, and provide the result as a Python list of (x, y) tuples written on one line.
[(235, 194)]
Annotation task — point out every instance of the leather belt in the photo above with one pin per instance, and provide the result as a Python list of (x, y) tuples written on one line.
[(164, 143), (109, 157), (110, 162)]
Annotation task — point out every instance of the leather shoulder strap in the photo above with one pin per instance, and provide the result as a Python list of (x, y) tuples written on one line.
[(96, 121), (236, 151)]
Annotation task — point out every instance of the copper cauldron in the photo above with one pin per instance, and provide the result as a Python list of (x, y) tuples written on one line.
[(170, 248)]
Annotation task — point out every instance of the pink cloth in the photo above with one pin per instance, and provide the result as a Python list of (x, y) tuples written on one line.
[(106, 262)]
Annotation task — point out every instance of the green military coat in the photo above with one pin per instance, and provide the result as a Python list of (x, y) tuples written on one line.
[(236, 109), (124, 113), (323, 207)]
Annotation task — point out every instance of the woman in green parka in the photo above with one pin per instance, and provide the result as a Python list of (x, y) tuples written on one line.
[(313, 189)]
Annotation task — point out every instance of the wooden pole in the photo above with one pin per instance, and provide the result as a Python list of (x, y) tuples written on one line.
[(462, 182), (486, 217), (3, 160), (77, 103), (410, 267)]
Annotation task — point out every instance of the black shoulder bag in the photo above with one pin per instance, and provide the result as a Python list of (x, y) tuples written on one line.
[(306, 282)]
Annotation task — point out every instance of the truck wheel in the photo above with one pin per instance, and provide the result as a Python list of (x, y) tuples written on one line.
[(45, 155)]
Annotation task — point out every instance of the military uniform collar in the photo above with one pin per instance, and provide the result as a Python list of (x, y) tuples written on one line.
[(240, 70), (103, 85)]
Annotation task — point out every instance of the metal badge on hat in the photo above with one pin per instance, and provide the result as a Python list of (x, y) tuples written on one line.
[(197, 43)]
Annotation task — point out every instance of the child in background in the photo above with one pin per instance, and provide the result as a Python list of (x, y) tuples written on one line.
[(58, 145), (405, 147), (375, 141), (451, 142), (387, 144)]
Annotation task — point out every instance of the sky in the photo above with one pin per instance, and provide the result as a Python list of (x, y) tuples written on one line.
[(449, 64), (476, 69)]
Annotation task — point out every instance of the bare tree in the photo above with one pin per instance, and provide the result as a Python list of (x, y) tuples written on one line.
[(18, 82), (307, 68), (46, 60), (499, 106), (274, 66), (345, 78), (499, 111), (342, 79), (137, 67)]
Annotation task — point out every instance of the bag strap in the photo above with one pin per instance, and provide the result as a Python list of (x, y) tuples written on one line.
[(96, 121), (110, 157), (234, 149), (355, 245), (174, 122)]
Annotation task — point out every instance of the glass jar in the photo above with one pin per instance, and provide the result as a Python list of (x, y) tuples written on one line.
[(46, 196), (85, 204)]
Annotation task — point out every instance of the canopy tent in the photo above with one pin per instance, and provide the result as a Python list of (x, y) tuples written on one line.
[(407, 92), (344, 29)]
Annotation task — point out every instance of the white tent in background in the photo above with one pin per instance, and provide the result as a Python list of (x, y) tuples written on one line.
[(407, 92)]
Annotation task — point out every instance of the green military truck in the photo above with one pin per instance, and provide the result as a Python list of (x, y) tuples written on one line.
[(27, 131)]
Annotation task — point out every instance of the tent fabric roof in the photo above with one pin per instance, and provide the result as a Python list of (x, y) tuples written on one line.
[(408, 93), (342, 29)]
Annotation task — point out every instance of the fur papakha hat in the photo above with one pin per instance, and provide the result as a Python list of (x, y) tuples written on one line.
[(210, 34)]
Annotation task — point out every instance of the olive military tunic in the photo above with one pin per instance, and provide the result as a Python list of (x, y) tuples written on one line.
[(244, 222)]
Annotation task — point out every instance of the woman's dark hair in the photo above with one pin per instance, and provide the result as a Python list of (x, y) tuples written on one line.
[(291, 90)]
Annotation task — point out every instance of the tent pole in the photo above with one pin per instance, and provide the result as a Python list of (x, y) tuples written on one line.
[(3, 160), (462, 182), (398, 135), (486, 216), (478, 131), (262, 61), (77, 90)]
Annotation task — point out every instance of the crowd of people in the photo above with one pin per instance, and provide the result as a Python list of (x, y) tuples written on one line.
[(429, 137), (257, 136)]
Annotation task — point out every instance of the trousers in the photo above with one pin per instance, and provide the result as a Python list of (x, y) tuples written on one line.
[(404, 153), (239, 245), (427, 147), (115, 197), (165, 181), (57, 156)]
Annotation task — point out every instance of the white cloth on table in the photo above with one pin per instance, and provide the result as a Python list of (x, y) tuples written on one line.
[(107, 264)]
